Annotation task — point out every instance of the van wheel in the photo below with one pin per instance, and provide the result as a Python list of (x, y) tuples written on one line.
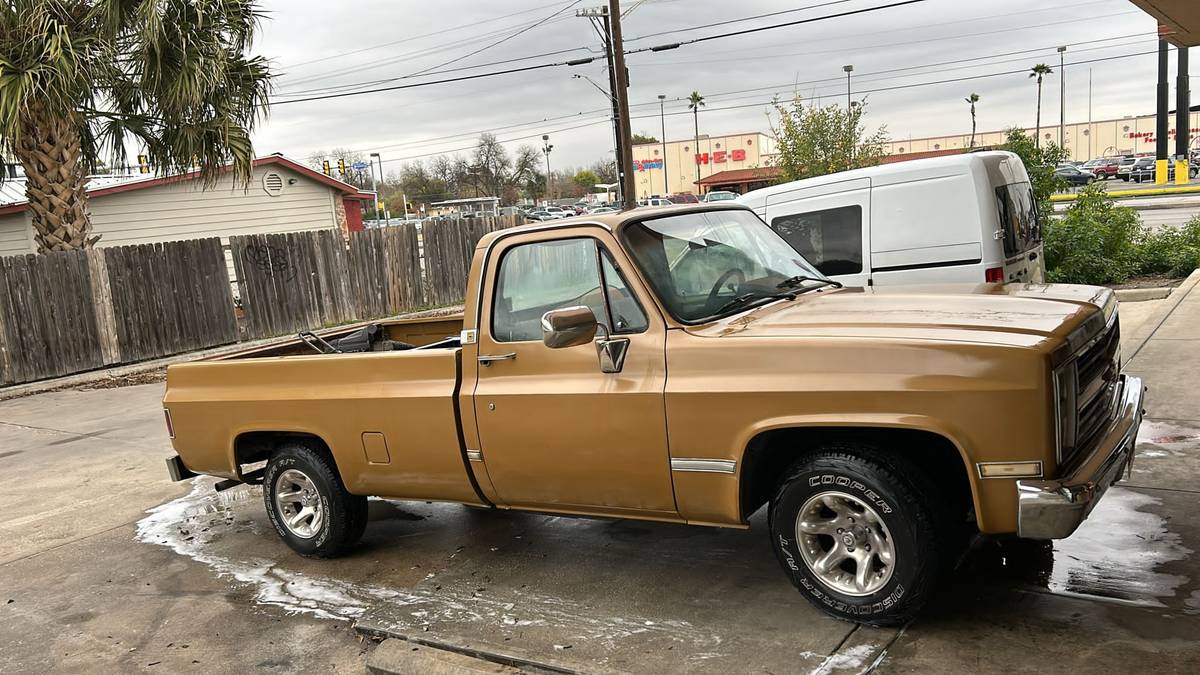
[(308, 504), (861, 534)]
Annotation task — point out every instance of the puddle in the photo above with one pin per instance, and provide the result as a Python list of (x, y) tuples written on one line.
[(1115, 555), (1163, 433), (191, 524)]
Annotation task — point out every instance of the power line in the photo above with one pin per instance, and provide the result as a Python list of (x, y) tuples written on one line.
[(574, 62), (748, 18), (582, 61), (502, 40), (759, 29), (412, 38), (506, 140)]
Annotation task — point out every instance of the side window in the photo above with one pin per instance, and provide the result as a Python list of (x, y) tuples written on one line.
[(536, 278), (831, 239), (627, 314)]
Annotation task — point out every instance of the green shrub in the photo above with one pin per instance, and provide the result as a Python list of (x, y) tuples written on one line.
[(1095, 241), (1171, 251)]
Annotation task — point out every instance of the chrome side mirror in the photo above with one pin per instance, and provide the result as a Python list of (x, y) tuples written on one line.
[(568, 327)]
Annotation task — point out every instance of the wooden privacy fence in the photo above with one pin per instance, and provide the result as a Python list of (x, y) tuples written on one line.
[(68, 312), (303, 280)]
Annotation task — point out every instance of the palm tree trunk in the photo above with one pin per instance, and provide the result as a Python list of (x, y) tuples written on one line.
[(972, 125), (55, 183), (696, 142), (1037, 134)]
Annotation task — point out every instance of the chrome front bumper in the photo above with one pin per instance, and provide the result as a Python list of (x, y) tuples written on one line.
[(1052, 509)]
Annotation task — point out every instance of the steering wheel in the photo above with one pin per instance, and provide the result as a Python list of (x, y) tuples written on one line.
[(716, 289)]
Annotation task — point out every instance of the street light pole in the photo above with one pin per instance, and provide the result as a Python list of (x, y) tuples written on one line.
[(387, 215), (662, 98), (546, 148), (849, 125), (1062, 97)]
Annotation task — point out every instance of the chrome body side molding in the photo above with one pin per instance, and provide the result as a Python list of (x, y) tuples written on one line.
[(704, 465)]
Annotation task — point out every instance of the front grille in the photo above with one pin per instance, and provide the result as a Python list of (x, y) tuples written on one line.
[(1093, 377)]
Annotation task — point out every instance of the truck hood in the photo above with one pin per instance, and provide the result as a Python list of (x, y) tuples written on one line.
[(980, 312)]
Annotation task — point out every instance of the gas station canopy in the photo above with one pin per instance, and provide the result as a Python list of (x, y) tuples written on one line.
[(1179, 18)]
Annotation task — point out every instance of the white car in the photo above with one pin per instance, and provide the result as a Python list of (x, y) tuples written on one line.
[(720, 196), (656, 201), (963, 218), (557, 212)]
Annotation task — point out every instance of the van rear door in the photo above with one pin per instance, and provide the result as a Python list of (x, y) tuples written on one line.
[(829, 225), (1020, 233)]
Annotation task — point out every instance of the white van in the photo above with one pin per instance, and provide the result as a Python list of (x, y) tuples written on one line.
[(961, 218)]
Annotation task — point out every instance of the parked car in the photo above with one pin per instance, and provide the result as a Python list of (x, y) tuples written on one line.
[(1146, 173), (1142, 169), (1103, 168), (656, 201), (558, 212), (1126, 165), (540, 215), (687, 366), (603, 209), (1073, 176), (720, 196), (684, 198), (923, 221)]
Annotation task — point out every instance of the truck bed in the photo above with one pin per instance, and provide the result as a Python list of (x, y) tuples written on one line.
[(390, 418), (420, 332)]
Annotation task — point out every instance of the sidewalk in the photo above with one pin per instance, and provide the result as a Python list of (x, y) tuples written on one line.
[(1165, 353)]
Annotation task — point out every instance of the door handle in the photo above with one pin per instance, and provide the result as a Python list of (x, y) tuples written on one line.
[(488, 358)]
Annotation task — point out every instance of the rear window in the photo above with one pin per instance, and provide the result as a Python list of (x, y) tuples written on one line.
[(1019, 222)]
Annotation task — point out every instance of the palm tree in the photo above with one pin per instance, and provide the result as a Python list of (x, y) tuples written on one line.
[(79, 79), (972, 99), (695, 102), (1038, 71)]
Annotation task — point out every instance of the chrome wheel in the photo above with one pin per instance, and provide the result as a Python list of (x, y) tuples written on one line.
[(299, 504), (845, 543)]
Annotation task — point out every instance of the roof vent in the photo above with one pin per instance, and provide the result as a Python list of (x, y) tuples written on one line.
[(273, 184)]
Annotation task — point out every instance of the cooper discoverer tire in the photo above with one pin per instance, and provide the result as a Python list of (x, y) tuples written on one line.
[(308, 505), (861, 533)]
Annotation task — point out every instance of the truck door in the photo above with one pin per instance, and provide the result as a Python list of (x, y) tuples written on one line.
[(831, 229), (556, 432)]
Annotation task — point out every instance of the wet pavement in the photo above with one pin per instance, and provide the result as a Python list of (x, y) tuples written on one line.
[(109, 567)]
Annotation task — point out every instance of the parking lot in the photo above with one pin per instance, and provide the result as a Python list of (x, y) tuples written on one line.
[(194, 578)]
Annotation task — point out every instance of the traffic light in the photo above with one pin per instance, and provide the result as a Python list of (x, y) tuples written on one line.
[(143, 164), (325, 167), (342, 167)]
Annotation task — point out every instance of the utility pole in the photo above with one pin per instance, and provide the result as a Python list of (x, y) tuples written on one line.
[(849, 118), (599, 18), (546, 148), (1062, 98), (621, 92), (663, 119), (1091, 139)]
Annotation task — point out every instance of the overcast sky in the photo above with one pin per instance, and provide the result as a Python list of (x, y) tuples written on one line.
[(317, 46)]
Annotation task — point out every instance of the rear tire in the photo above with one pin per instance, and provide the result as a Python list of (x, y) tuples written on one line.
[(862, 534), (309, 505)]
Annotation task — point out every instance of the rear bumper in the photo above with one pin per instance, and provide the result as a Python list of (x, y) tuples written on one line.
[(177, 469), (1052, 509)]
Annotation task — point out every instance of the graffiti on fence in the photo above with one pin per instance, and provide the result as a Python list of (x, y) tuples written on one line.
[(272, 260)]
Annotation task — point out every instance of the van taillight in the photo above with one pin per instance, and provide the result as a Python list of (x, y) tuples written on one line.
[(170, 426), (993, 275)]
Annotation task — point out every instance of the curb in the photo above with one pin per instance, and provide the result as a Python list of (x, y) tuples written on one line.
[(1142, 294), (1149, 192), (1147, 330)]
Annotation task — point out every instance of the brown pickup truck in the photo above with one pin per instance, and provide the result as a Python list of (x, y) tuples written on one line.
[(686, 365)]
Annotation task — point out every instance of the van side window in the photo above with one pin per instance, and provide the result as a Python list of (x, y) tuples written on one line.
[(830, 239)]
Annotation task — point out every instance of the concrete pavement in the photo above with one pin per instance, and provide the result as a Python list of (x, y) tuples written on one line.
[(97, 584)]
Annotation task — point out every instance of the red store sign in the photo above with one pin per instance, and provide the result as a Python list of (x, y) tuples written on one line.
[(720, 157)]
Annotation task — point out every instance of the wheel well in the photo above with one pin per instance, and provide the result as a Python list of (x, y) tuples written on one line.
[(253, 447), (770, 454)]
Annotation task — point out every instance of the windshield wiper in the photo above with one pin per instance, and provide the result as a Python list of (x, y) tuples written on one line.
[(793, 282), (746, 298)]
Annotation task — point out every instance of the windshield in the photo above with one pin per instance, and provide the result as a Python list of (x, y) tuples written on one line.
[(708, 264)]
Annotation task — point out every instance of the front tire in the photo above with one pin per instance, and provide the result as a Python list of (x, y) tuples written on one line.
[(309, 505), (862, 534)]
